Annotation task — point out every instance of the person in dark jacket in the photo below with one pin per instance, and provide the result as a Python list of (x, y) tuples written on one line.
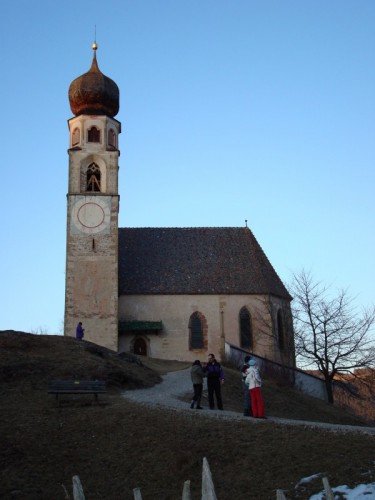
[(215, 377), (246, 393), (197, 374), (80, 331)]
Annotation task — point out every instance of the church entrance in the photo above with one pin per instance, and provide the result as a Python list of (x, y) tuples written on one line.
[(140, 347)]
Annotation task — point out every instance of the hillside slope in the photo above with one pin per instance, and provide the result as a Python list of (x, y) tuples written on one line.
[(115, 446)]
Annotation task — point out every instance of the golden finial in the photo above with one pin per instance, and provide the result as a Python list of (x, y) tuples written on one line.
[(94, 45)]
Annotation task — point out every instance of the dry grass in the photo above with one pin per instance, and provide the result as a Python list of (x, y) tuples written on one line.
[(116, 445)]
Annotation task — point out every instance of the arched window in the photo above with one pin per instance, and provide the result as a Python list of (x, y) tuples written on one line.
[(111, 138), (75, 137), (93, 178), (280, 330), (246, 331), (93, 135), (197, 331)]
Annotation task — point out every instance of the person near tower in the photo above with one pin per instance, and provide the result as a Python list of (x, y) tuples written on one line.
[(215, 377), (80, 331)]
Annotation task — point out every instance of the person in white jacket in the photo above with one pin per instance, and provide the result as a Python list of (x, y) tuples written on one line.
[(254, 381)]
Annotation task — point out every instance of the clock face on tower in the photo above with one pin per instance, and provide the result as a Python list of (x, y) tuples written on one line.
[(90, 214)]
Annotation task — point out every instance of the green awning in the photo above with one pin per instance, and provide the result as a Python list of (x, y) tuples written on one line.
[(132, 326)]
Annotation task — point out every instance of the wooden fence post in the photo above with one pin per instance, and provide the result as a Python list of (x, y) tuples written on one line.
[(208, 489), (77, 489), (327, 489), (280, 495), (137, 494), (67, 496), (186, 491)]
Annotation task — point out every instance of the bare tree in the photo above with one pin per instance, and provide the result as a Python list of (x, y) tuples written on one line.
[(330, 333)]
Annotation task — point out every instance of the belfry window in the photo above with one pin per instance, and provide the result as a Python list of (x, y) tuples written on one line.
[(93, 135), (246, 330), (93, 178), (75, 137), (111, 138)]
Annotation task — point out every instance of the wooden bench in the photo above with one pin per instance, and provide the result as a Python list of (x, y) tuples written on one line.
[(95, 387)]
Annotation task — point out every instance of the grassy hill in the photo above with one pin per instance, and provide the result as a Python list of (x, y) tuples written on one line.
[(115, 446)]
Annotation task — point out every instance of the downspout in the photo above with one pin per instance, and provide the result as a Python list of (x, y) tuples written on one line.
[(222, 335)]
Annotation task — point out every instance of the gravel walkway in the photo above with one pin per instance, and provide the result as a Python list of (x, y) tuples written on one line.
[(178, 384)]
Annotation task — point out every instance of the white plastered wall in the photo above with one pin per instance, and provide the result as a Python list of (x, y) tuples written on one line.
[(220, 311)]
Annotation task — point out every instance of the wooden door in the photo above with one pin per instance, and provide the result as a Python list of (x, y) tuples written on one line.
[(140, 347)]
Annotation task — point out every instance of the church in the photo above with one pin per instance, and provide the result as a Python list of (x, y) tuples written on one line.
[(168, 293)]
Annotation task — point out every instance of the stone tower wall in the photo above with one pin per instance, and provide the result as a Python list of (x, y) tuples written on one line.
[(92, 256)]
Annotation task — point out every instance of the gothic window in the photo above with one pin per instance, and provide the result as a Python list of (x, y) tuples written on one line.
[(93, 135), (246, 331), (280, 330), (75, 137), (111, 138), (197, 331), (93, 178)]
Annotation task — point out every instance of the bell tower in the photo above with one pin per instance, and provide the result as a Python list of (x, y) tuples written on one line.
[(91, 286)]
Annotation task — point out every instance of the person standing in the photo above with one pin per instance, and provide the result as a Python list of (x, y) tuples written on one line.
[(215, 378), (254, 381), (80, 332), (246, 393), (197, 374)]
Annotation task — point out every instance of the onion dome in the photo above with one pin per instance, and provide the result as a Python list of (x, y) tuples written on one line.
[(94, 93)]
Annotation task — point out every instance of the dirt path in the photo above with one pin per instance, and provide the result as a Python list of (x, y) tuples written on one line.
[(178, 384)]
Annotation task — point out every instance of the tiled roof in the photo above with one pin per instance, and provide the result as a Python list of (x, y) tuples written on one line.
[(198, 260)]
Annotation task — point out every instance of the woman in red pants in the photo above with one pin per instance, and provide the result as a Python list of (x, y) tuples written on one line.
[(254, 381)]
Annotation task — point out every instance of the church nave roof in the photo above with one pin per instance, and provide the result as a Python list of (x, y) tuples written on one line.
[(204, 260)]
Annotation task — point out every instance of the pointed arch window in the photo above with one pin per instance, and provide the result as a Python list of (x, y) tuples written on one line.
[(197, 331), (280, 331), (93, 178), (93, 135), (76, 136), (111, 138), (246, 330)]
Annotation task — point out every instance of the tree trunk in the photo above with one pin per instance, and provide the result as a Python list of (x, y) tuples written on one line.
[(329, 389)]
